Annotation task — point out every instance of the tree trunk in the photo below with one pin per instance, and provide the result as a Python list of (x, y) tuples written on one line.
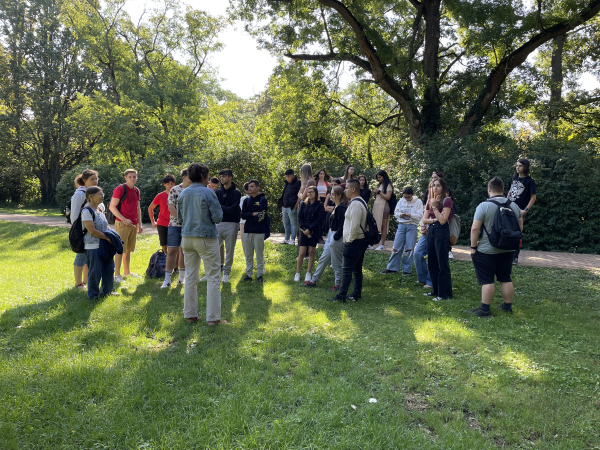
[(556, 82), (431, 112)]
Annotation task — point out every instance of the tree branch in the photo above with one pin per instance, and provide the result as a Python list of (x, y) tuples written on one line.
[(326, 29), (458, 57), (513, 60), (538, 16), (367, 121)]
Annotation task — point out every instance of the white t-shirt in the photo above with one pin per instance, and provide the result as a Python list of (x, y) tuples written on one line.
[(242, 205), (77, 201), (92, 242), (322, 189)]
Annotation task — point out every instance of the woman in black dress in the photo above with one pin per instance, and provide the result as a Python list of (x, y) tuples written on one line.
[(310, 220)]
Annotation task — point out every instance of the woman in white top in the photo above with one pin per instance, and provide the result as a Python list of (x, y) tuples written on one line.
[(243, 221), (96, 225), (84, 180), (321, 181)]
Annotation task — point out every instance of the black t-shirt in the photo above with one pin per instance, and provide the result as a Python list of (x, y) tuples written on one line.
[(521, 190)]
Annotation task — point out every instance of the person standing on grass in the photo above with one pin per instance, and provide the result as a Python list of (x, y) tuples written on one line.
[(310, 220), (381, 208), (334, 245), (289, 209), (522, 192), (322, 184), (243, 221), (365, 192), (229, 198), (254, 211), (96, 226), (198, 210), (438, 213), (434, 176), (128, 221), (355, 244), (175, 255), (490, 261), (408, 213), (84, 180), (162, 224)]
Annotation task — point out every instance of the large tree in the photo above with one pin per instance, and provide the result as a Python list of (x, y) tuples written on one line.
[(428, 55)]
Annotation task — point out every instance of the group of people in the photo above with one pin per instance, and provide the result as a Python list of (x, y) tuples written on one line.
[(200, 218)]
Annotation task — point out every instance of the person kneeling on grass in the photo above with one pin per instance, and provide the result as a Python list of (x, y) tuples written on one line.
[(334, 245), (198, 210), (310, 219), (490, 261), (94, 221)]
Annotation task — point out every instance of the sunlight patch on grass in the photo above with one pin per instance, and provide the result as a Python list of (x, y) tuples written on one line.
[(441, 331)]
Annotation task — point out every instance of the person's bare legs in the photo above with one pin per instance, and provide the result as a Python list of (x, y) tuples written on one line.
[(487, 293), (300, 261), (164, 248), (126, 263), (172, 254), (81, 274), (385, 228), (181, 260), (508, 292), (311, 258), (118, 260)]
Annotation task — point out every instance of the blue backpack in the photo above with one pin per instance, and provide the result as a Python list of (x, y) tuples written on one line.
[(157, 265)]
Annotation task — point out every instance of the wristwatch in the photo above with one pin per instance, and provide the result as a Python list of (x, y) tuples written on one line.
[(526, 209)]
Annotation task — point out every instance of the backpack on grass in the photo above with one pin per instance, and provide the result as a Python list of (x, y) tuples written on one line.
[(506, 233), (372, 234), (157, 265), (77, 232), (110, 217)]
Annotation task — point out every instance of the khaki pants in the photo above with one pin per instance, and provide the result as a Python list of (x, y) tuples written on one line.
[(228, 232), (194, 249), (255, 242)]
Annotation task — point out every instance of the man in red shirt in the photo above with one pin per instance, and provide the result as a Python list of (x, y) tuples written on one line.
[(164, 216), (128, 221)]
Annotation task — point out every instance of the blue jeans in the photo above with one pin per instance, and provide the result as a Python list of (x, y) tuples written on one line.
[(420, 262), (97, 270), (290, 222), (438, 246), (406, 236)]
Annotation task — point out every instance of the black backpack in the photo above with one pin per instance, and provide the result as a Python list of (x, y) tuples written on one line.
[(157, 265), (372, 233), (77, 233), (393, 201), (110, 217), (506, 233)]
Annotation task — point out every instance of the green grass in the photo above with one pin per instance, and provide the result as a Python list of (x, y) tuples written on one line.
[(29, 210), (129, 372)]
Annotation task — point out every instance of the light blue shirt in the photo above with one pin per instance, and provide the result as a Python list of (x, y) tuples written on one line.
[(198, 210)]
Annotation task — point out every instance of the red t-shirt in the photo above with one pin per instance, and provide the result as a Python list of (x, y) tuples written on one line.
[(129, 208), (447, 204), (164, 216)]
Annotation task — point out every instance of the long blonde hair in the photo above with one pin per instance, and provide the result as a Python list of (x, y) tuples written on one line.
[(305, 174)]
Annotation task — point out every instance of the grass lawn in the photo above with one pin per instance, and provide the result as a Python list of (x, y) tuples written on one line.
[(29, 210), (292, 371)]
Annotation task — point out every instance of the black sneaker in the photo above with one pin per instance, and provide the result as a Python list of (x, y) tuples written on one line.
[(309, 284), (388, 271), (222, 268), (406, 274), (247, 278), (515, 261), (260, 279), (507, 311), (479, 312), (354, 298), (336, 299)]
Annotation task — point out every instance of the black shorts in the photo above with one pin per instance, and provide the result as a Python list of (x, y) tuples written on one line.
[(487, 266), (163, 232), (305, 241)]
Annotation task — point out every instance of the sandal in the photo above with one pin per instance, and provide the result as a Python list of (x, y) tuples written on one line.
[(192, 319), (217, 322)]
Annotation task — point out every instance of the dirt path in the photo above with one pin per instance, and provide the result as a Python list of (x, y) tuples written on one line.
[(526, 258)]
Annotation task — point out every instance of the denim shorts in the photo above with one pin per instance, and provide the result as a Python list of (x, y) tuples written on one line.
[(80, 260), (174, 237)]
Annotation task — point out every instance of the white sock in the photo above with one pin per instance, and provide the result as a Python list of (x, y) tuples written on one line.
[(181, 274), (168, 274)]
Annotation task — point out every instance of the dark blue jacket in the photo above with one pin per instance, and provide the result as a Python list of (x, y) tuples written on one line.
[(230, 203), (255, 224), (107, 250)]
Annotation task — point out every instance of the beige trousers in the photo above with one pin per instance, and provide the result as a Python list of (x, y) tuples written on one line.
[(195, 250)]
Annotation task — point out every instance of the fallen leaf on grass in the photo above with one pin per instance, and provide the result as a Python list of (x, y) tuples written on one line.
[(353, 407)]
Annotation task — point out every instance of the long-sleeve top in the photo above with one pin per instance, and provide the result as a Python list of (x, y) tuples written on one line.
[(255, 224), (198, 210), (355, 218), (336, 221), (77, 202), (414, 208), (311, 217), (230, 203)]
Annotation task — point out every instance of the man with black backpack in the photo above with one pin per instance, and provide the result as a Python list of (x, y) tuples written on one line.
[(495, 235), (355, 243)]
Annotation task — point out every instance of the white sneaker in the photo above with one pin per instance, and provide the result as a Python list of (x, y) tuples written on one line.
[(181, 281), (132, 275), (428, 286), (284, 242), (297, 277), (381, 247), (450, 255), (165, 285), (202, 279), (291, 242), (118, 279), (370, 247), (307, 277), (225, 278)]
